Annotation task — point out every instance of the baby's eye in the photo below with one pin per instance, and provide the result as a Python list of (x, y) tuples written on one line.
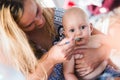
[(71, 30), (83, 27)]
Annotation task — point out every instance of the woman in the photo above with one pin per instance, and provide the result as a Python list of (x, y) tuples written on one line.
[(14, 47), (37, 24)]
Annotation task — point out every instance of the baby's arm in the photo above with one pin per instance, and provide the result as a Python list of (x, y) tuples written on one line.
[(68, 70)]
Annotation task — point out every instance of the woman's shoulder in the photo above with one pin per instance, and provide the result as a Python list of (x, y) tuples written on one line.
[(58, 14), (59, 9)]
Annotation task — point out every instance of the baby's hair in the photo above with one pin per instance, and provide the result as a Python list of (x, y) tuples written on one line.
[(74, 11)]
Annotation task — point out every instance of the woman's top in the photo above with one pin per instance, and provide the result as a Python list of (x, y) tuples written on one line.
[(57, 73)]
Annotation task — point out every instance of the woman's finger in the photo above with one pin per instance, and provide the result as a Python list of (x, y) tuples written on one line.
[(79, 61), (66, 41), (68, 57), (69, 53), (78, 56), (87, 71), (66, 46), (81, 65), (81, 69)]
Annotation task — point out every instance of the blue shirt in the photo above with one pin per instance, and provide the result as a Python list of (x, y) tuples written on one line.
[(57, 73)]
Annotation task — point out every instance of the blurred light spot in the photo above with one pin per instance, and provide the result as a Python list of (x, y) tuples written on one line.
[(1, 77), (103, 10)]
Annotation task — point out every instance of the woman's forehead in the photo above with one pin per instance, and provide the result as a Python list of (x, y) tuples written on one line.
[(30, 8)]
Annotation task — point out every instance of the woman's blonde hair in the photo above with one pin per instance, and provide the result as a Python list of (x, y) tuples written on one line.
[(48, 14), (49, 21), (14, 42)]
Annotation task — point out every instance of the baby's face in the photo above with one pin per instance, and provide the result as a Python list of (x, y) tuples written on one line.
[(78, 27)]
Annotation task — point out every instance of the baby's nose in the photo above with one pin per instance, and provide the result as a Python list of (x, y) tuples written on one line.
[(78, 33)]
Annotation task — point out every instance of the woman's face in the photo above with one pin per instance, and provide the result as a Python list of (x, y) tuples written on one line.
[(32, 17)]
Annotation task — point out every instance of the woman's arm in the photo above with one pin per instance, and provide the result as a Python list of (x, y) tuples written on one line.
[(57, 54), (43, 69), (91, 58)]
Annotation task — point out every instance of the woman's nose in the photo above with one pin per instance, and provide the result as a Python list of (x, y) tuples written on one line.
[(38, 21)]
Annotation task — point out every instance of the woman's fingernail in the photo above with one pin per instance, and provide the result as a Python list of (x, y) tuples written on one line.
[(67, 42)]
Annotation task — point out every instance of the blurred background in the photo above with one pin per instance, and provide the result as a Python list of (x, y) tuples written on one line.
[(91, 7)]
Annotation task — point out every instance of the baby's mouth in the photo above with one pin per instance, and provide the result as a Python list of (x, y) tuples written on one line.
[(78, 39)]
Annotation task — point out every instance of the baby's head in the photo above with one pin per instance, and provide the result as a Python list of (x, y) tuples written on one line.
[(75, 23)]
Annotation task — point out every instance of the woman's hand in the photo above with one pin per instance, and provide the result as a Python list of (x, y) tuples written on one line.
[(87, 63), (95, 41), (57, 54), (61, 51), (91, 58)]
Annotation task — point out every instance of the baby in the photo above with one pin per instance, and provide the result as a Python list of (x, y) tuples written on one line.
[(75, 23)]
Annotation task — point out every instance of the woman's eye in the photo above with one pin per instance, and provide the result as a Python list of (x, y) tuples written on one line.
[(72, 30)]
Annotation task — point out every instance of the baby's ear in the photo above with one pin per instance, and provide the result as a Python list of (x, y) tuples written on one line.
[(91, 27), (64, 32)]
